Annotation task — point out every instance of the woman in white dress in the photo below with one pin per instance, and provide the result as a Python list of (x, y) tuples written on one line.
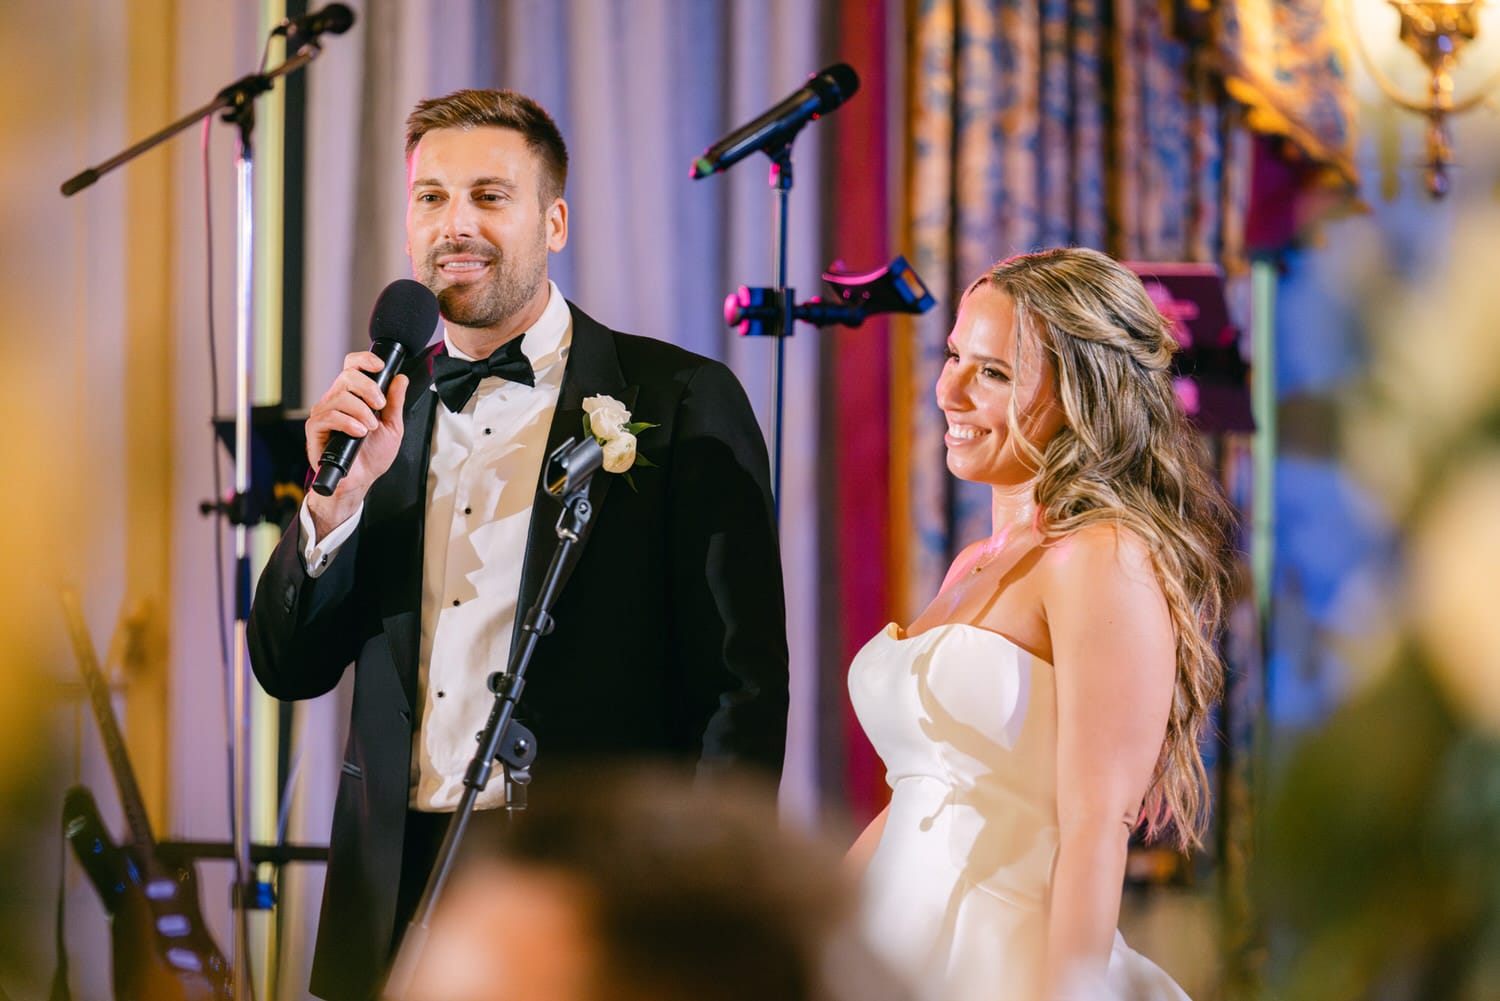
[(1051, 697)]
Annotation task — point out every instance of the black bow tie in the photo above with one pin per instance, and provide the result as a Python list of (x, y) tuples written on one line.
[(456, 379)]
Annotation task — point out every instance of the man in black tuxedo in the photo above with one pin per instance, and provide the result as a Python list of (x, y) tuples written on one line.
[(671, 634)]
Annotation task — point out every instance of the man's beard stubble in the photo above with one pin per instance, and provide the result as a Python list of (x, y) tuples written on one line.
[(484, 304)]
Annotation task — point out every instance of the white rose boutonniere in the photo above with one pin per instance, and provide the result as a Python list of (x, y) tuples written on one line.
[(619, 454), (607, 417), (607, 420)]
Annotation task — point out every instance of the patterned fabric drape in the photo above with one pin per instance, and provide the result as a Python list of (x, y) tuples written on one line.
[(1037, 123), (1287, 62)]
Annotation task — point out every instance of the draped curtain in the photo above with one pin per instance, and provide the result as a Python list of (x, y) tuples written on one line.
[(1287, 62), (1018, 124), (1037, 123)]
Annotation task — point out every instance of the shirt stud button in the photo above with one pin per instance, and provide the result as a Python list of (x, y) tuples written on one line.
[(487, 431), (455, 602), (468, 510), (442, 695)]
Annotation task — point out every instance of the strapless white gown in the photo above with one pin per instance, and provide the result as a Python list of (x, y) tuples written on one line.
[(956, 895)]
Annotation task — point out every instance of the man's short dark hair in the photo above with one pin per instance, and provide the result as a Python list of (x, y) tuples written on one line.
[(505, 109)]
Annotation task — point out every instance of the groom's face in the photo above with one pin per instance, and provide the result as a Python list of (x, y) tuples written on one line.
[(478, 229)]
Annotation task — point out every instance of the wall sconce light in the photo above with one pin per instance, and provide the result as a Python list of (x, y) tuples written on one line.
[(1436, 30)]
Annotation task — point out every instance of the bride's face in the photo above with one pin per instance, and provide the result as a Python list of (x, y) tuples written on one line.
[(983, 375)]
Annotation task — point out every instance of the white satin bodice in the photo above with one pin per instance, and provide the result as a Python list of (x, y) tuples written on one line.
[(966, 723), (958, 890)]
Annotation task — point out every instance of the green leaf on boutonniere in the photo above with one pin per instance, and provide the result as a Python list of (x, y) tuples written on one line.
[(636, 427), (641, 460)]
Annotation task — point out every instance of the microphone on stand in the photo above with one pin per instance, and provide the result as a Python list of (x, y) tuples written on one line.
[(335, 19), (400, 325), (823, 93), (572, 464)]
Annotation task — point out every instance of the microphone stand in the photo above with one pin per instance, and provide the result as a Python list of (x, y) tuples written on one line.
[(518, 750), (785, 298), (773, 311), (237, 103)]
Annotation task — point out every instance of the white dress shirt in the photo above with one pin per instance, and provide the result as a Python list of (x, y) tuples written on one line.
[(481, 481)]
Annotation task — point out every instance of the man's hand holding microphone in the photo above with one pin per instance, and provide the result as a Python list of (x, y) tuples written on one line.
[(355, 429)]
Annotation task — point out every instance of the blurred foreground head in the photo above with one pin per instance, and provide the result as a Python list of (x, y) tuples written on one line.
[(628, 886)]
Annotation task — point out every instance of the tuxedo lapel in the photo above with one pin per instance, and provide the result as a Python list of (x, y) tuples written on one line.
[(404, 496), (593, 369)]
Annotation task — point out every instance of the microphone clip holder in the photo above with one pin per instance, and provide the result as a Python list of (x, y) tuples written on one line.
[(243, 509), (238, 100), (769, 312)]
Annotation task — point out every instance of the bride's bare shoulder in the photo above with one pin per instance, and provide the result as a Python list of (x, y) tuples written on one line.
[(1104, 553)]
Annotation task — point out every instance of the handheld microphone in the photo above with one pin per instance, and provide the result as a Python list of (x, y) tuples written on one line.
[(823, 93), (335, 19), (400, 326)]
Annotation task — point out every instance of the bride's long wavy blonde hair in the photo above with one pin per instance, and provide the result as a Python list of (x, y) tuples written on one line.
[(1128, 456)]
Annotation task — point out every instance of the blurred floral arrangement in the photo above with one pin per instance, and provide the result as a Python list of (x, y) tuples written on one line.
[(1380, 874)]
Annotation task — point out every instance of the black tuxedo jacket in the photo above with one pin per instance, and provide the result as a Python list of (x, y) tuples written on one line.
[(671, 626)]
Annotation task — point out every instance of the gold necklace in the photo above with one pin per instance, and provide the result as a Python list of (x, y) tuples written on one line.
[(981, 563), (996, 549)]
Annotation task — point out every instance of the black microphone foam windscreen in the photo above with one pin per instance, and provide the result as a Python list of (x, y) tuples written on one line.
[(836, 85), (407, 313)]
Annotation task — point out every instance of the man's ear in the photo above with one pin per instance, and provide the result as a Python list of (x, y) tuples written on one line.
[(557, 225)]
